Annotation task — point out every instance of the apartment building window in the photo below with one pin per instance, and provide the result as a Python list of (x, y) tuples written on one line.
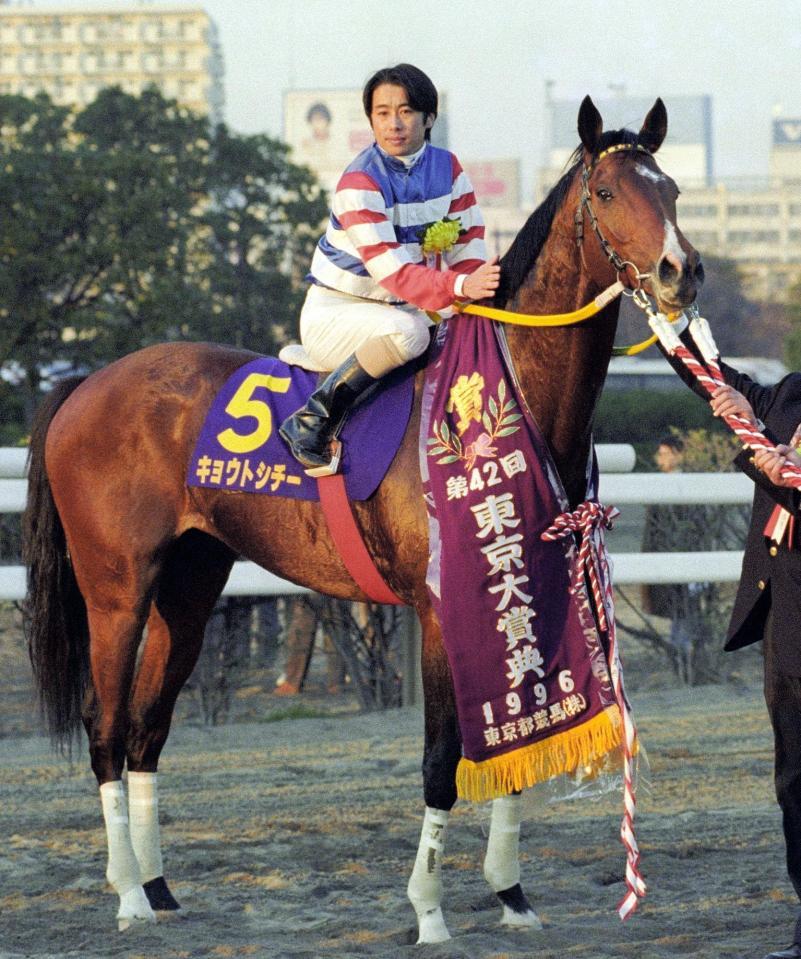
[(794, 236), (753, 209), (186, 29), (704, 239), (153, 61), (32, 62), (743, 237), (698, 209), (795, 209), (152, 31)]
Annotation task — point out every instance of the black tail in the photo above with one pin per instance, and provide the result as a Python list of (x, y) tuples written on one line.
[(54, 610)]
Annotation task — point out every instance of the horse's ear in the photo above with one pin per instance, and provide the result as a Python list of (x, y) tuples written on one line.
[(590, 125), (654, 128)]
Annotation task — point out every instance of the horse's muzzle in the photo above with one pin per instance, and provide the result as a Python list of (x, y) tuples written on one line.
[(676, 283)]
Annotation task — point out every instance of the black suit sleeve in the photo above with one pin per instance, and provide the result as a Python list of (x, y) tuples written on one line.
[(783, 495)]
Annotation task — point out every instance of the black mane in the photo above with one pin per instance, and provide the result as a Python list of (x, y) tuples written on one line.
[(519, 259)]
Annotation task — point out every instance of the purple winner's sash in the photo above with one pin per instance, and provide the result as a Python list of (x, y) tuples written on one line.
[(532, 680)]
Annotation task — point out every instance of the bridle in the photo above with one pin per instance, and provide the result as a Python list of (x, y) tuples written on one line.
[(585, 204)]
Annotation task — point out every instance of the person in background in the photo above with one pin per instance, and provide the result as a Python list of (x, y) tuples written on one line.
[(405, 236), (666, 530)]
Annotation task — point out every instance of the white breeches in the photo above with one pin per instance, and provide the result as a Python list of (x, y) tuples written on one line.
[(334, 326)]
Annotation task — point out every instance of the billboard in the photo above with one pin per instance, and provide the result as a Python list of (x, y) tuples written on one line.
[(327, 128), (496, 182), (689, 138)]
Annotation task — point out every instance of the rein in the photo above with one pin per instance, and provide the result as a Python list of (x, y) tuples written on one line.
[(603, 299)]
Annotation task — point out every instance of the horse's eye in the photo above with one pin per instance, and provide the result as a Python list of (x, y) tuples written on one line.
[(604, 194)]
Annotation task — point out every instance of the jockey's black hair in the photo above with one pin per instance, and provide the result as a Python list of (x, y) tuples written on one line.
[(419, 89), (519, 259)]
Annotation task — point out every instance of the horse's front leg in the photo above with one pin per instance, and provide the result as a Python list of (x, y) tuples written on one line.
[(441, 755), (502, 863)]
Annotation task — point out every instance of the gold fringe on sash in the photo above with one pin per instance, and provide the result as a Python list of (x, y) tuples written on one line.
[(563, 752)]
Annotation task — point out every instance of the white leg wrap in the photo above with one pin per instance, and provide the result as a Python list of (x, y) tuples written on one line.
[(501, 864), (425, 885), (143, 806), (123, 869)]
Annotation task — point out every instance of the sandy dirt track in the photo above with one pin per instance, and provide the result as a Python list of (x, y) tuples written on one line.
[(296, 838)]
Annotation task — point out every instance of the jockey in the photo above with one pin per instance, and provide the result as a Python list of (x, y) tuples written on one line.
[(364, 313)]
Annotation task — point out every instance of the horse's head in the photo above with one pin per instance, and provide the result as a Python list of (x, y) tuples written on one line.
[(626, 212)]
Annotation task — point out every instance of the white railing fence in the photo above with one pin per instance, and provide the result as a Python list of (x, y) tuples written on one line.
[(619, 487)]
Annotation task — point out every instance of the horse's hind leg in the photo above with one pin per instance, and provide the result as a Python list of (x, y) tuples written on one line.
[(193, 577), (502, 863), (115, 637)]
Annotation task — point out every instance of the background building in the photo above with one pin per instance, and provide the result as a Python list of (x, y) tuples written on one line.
[(72, 54), (686, 154)]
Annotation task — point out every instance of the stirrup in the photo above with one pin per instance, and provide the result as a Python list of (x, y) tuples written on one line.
[(332, 466)]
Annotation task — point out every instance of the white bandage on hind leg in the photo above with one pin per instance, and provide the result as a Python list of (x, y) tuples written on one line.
[(143, 806), (425, 885), (123, 869), (502, 862)]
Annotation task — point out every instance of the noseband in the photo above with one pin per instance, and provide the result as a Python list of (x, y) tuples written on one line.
[(585, 203)]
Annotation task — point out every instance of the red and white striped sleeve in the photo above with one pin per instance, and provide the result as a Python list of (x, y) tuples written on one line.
[(470, 250), (367, 233)]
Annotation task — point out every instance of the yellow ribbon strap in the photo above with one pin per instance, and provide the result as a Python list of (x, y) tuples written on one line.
[(554, 319)]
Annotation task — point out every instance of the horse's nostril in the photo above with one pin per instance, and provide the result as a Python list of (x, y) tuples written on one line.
[(667, 270), (699, 273)]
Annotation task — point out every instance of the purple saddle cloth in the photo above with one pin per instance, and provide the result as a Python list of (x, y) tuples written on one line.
[(240, 449)]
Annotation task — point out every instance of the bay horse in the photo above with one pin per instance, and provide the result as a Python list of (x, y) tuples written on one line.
[(119, 547)]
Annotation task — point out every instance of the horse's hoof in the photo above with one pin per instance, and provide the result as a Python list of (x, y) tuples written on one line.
[(520, 920), (517, 911), (135, 910), (159, 895), (432, 927)]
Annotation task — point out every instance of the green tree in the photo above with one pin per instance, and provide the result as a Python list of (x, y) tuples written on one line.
[(263, 219), (131, 222), (792, 342)]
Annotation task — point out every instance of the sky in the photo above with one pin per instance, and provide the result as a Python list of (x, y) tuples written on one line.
[(494, 58)]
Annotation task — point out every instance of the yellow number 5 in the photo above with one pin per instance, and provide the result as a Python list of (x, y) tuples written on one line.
[(243, 404)]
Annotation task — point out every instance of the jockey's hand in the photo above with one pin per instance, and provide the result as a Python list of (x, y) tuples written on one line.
[(772, 462), (483, 282), (726, 401)]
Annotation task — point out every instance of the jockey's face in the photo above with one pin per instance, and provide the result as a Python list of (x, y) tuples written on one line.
[(399, 129)]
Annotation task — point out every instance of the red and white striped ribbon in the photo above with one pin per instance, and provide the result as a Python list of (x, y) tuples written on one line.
[(711, 377), (586, 520)]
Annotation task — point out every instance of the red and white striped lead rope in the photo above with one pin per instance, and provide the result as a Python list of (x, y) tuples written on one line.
[(585, 520), (711, 377), (708, 373)]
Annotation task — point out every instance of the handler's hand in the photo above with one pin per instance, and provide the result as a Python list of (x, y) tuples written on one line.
[(726, 401), (772, 462), (483, 282)]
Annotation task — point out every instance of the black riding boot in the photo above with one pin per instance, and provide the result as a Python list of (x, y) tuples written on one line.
[(310, 429)]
